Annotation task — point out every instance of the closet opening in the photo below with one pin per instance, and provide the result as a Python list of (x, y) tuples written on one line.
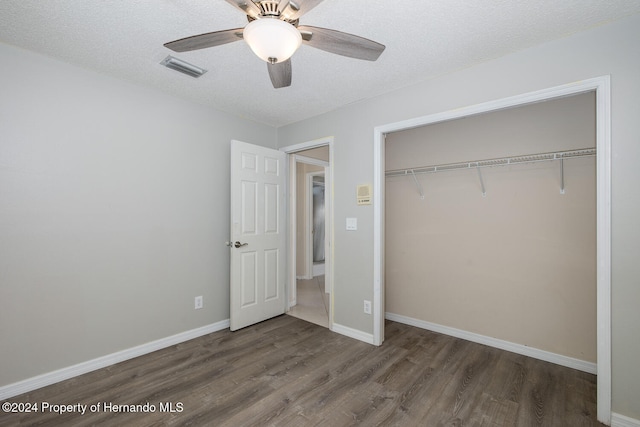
[(491, 228), (485, 225)]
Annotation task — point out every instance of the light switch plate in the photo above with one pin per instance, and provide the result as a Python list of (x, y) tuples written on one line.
[(352, 224)]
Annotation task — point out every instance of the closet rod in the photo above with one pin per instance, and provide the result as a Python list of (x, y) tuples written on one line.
[(502, 161)]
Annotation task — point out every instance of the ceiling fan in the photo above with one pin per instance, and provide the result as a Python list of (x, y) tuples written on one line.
[(274, 35)]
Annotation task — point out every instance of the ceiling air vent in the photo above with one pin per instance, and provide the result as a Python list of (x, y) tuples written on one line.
[(182, 66)]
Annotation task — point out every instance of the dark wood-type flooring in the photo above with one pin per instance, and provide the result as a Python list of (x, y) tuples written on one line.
[(288, 372)]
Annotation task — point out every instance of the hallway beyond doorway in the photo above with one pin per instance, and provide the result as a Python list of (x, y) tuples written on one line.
[(312, 303)]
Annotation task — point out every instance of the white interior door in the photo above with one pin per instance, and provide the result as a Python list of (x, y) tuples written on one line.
[(258, 234)]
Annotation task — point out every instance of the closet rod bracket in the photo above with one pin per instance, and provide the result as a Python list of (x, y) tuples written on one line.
[(418, 185), (484, 191), (561, 175)]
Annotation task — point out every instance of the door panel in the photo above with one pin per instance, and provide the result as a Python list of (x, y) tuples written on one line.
[(248, 279), (258, 240), (249, 207), (271, 208), (271, 274)]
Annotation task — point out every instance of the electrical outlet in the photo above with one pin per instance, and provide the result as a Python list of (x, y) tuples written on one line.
[(198, 303), (367, 307)]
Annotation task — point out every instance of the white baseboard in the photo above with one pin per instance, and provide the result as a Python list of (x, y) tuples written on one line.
[(318, 269), (49, 378), (547, 356), (352, 333), (618, 420)]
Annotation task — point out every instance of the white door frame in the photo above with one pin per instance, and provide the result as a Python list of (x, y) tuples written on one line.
[(290, 150), (602, 88)]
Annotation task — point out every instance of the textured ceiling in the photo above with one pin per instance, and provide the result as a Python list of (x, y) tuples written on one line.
[(423, 39)]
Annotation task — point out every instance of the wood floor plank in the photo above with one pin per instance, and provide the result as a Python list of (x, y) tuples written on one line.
[(288, 372)]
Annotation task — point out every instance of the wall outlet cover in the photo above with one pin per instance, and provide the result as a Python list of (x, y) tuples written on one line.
[(367, 307)]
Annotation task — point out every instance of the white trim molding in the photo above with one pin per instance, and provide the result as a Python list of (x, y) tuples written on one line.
[(352, 333), (318, 269), (49, 378), (602, 87), (310, 160), (618, 420), (547, 356)]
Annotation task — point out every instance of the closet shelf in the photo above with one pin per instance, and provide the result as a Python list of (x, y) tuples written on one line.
[(503, 161)]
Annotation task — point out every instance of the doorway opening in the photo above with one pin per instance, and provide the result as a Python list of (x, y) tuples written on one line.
[(309, 284), (601, 87)]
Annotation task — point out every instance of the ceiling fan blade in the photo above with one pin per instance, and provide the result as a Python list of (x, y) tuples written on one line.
[(203, 41), (340, 43), (280, 73), (246, 6), (296, 8)]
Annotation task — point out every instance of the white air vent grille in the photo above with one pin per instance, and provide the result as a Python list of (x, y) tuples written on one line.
[(182, 66)]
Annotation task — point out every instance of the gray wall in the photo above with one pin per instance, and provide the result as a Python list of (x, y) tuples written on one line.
[(607, 50), (113, 214)]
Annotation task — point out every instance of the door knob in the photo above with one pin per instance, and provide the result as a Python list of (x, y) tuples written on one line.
[(238, 244)]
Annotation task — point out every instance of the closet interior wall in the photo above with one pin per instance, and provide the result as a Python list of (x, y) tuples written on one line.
[(518, 264)]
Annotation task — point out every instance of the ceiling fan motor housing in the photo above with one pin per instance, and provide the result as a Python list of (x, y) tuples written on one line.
[(269, 8)]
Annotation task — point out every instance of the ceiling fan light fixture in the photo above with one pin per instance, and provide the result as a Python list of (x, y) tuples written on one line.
[(271, 39)]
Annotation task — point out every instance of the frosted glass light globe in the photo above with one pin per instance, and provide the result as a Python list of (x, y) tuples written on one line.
[(271, 39)]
